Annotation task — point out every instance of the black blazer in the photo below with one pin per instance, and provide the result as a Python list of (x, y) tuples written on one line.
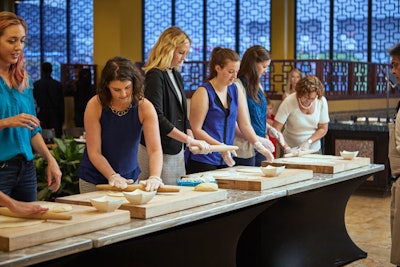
[(171, 113)]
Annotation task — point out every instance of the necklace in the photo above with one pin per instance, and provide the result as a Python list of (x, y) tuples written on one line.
[(120, 112), (304, 107)]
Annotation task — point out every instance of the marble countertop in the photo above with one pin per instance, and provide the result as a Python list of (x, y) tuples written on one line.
[(237, 199)]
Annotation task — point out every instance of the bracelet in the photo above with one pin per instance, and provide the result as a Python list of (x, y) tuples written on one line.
[(309, 141)]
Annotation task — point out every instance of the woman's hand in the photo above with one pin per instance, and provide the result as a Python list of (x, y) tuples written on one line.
[(261, 149), (204, 147), (22, 120), (227, 157), (152, 183), (118, 181)]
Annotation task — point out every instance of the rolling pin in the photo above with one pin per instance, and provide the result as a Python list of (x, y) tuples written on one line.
[(41, 216), (300, 153), (133, 187), (215, 148)]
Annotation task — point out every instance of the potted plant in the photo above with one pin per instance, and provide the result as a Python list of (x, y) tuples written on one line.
[(68, 154)]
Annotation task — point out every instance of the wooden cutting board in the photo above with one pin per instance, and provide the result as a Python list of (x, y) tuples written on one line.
[(162, 203), (84, 220), (251, 178), (321, 163)]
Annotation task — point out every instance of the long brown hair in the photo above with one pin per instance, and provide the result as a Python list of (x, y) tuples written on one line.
[(18, 75), (248, 69)]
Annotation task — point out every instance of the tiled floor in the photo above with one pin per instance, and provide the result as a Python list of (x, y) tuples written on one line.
[(368, 224)]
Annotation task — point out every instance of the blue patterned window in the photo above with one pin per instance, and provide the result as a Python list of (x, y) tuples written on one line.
[(59, 32), (227, 23), (385, 28), (360, 30), (312, 29)]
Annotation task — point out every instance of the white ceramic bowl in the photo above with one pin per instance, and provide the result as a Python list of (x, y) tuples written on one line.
[(106, 204), (139, 196), (348, 154), (272, 170)]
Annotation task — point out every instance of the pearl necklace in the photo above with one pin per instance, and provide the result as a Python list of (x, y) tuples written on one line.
[(304, 107), (121, 113)]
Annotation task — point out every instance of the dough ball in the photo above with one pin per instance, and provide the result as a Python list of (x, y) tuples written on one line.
[(56, 207), (206, 187)]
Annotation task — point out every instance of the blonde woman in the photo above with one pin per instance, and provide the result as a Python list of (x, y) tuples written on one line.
[(164, 88), (293, 77)]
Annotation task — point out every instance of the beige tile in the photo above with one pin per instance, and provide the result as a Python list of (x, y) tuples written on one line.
[(368, 224)]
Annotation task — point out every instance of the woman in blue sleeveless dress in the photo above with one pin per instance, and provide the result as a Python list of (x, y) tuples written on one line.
[(215, 109), (114, 121)]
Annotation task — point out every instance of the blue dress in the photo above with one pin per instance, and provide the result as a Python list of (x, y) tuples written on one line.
[(120, 137), (219, 122)]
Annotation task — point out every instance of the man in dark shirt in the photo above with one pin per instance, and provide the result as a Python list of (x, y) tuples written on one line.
[(49, 98)]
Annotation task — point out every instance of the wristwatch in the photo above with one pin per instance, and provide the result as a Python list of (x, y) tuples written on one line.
[(309, 141)]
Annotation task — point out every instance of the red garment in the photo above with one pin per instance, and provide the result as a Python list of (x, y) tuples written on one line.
[(273, 140)]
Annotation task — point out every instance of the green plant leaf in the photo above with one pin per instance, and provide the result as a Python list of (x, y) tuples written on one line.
[(68, 155)]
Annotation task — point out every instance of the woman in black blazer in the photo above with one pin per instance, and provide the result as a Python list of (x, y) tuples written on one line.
[(164, 88)]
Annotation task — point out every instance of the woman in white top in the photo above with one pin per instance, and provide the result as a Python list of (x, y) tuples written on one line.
[(305, 116)]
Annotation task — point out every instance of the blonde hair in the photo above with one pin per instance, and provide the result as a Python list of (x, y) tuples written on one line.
[(17, 73), (289, 80), (162, 53)]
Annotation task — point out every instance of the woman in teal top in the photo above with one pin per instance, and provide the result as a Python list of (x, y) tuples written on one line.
[(255, 62), (20, 130)]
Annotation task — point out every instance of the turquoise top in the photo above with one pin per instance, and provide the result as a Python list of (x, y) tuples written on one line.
[(14, 141)]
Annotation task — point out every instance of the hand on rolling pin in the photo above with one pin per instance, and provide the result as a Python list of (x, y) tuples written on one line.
[(204, 147), (152, 183), (119, 181), (305, 145), (263, 150), (292, 150)]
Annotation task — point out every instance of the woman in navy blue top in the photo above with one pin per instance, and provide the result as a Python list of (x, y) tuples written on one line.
[(114, 121), (20, 131), (215, 109)]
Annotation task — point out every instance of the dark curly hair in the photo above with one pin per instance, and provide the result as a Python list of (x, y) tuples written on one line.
[(121, 69)]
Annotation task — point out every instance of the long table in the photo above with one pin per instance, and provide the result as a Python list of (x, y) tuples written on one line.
[(300, 224)]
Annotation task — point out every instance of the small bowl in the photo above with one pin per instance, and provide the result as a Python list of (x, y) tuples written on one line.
[(348, 154), (139, 196), (106, 204), (272, 170)]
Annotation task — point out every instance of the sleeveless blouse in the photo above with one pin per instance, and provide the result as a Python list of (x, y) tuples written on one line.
[(120, 137), (219, 122)]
